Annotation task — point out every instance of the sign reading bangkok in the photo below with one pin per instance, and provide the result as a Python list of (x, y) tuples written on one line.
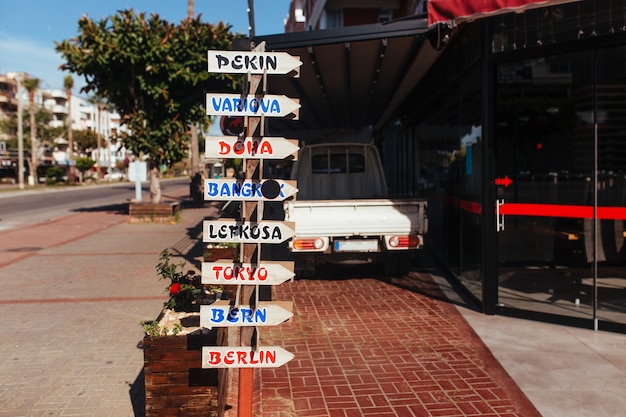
[(253, 62), (219, 104), (246, 190), (265, 231), (250, 147)]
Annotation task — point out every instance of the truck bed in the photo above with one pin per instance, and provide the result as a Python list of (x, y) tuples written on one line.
[(370, 217)]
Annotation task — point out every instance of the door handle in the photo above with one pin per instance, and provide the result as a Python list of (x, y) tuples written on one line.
[(499, 217)]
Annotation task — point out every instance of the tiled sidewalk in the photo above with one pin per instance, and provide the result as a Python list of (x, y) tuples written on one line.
[(366, 348)]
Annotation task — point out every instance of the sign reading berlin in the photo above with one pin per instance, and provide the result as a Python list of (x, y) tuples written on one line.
[(253, 62)]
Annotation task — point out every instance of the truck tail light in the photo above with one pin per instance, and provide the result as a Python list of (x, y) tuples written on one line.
[(403, 242), (308, 244)]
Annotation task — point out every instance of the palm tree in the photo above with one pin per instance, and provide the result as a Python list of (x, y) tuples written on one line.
[(68, 84), (195, 149), (31, 85), (100, 102)]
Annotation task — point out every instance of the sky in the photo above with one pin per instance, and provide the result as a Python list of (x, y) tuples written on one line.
[(29, 28)]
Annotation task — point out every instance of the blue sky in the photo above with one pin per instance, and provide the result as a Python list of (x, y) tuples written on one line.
[(28, 28)]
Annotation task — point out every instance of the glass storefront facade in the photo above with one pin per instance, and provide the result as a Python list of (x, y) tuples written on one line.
[(530, 132)]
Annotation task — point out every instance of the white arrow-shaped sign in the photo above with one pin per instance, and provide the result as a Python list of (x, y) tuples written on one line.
[(231, 189), (235, 105), (259, 148), (238, 62), (244, 357), (230, 273), (265, 231), (223, 314)]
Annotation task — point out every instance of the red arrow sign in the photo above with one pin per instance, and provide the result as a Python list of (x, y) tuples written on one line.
[(506, 181)]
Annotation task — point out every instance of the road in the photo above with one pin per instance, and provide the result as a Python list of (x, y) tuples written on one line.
[(43, 204)]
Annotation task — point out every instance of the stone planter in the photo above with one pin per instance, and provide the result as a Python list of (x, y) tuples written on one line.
[(176, 384)]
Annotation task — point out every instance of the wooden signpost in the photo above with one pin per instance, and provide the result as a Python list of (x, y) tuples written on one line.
[(222, 104), (253, 62), (244, 357), (223, 314), (235, 231), (260, 148), (246, 312), (248, 190), (229, 272)]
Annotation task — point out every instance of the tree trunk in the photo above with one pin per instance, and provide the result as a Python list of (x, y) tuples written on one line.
[(155, 185)]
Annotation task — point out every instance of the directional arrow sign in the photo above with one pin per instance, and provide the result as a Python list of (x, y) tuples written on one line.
[(223, 314), (244, 357), (253, 62), (230, 273), (250, 105), (260, 148), (506, 181), (247, 190), (265, 231)]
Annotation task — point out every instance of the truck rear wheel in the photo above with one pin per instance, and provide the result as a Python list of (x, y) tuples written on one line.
[(397, 263)]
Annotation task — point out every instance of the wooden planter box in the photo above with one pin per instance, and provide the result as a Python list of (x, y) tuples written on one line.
[(164, 210), (176, 384)]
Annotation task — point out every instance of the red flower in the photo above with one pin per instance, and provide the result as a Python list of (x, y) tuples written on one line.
[(174, 288)]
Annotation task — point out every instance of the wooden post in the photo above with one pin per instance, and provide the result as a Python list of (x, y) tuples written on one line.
[(252, 211)]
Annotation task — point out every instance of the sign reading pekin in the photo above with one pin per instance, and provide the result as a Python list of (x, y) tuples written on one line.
[(260, 148), (235, 105), (223, 314), (247, 190), (265, 231), (244, 357), (253, 62), (231, 273)]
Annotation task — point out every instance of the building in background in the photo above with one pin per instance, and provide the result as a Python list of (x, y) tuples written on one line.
[(86, 115)]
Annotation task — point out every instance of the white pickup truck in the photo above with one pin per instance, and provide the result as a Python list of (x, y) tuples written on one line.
[(342, 213)]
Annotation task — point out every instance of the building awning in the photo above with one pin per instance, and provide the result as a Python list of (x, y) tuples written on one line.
[(351, 78), (456, 11)]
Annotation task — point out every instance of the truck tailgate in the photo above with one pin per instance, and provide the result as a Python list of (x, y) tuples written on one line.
[(363, 217)]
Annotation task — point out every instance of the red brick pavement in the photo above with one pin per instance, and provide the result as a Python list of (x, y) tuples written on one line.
[(367, 348)]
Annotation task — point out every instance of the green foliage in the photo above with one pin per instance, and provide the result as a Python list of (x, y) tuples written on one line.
[(184, 286), (54, 174), (152, 328), (85, 140), (84, 164), (153, 72)]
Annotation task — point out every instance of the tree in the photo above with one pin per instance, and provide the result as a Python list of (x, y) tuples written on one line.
[(68, 84), (31, 85), (85, 141), (154, 73), (83, 165)]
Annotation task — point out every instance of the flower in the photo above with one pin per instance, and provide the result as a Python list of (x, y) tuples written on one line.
[(174, 288), (186, 291)]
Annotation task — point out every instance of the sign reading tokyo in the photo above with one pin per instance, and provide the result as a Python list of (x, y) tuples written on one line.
[(250, 147), (266, 273), (222, 314), (265, 231), (236, 105), (247, 190), (253, 62), (244, 357)]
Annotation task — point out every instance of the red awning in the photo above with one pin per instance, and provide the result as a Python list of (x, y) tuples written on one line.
[(455, 11)]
